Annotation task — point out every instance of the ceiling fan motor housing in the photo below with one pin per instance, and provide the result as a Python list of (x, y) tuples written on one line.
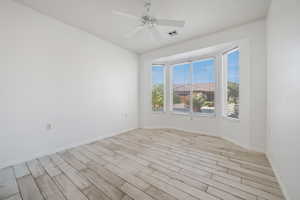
[(148, 20)]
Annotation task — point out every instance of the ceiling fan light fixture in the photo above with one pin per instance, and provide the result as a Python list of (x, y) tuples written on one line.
[(149, 21)]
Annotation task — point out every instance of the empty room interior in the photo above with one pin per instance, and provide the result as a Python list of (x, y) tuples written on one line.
[(149, 99)]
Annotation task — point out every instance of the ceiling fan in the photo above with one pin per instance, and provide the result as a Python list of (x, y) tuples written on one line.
[(147, 21)]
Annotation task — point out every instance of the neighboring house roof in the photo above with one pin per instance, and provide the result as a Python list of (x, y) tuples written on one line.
[(204, 87)]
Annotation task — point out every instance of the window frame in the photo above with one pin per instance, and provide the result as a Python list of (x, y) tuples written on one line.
[(224, 92), (214, 58), (164, 67), (171, 87), (190, 62)]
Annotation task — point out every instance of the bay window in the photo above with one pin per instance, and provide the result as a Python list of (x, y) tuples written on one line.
[(192, 85)]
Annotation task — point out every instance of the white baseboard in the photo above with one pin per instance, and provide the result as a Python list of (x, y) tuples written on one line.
[(179, 129), (41, 154), (278, 177), (235, 142), (207, 133)]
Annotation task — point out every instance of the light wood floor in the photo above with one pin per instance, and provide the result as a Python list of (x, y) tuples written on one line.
[(144, 164)]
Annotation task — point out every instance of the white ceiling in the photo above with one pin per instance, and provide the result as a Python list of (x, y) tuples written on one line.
[(202, 17)]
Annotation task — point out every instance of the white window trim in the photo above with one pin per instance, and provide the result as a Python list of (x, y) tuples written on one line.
[(224, 92), (165, 89)]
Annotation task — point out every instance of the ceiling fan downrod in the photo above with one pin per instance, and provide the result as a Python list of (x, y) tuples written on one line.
[(147, 5)]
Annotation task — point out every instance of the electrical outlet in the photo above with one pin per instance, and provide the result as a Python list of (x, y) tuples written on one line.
[(49, 127)]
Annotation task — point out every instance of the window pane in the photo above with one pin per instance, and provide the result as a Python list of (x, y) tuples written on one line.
[(158, 88), (233, 83), (181, 88), (204, 86)]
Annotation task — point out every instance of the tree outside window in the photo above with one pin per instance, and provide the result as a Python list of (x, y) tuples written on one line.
[(158, 96)]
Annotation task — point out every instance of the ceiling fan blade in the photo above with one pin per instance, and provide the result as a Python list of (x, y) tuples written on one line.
[(167, 22), (123, 14), (134, 32)]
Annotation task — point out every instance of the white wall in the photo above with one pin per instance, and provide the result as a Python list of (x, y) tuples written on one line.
[(53, 73), (250, 131), (283, 72)]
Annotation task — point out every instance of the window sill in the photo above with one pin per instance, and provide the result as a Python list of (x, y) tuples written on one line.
[(231, 119), (159, 112), (179, 113), (212, 115), (194, 115)]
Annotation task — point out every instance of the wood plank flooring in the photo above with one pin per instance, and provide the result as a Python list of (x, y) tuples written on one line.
[(144, 164)]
